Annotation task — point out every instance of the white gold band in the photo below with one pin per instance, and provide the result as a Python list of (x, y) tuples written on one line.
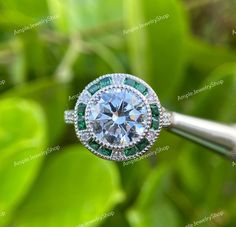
[(141, 111), (69, 117)]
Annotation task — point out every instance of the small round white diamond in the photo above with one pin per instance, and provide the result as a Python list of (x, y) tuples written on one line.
[(85, 96), (151, 135), (118, 79)]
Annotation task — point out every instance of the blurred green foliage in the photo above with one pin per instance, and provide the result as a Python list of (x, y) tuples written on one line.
[(50, 49)]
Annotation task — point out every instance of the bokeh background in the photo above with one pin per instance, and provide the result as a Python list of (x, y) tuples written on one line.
[(49, 51)]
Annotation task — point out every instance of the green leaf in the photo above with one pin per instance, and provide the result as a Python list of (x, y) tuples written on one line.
[(223, 81), (22, 10), (18, 66), (52, 96), (224, 111), (73, 15), (152, 208), (199, 166), (156, 33), (206, 57), (22, 135), (73, 188)]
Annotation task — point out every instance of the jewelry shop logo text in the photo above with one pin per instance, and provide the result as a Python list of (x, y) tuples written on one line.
[(32, 26), (207, 87), (33, 157), (143, 25), (2, 82)]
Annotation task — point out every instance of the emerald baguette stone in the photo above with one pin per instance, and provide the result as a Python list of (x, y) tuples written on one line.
[(80, 113), (131, 151), (105, 151), (105, 82), (155, 111), (155, 116), (140, 87), (102, 83), (94, 88), (155, 124), (81, 124), (94, 145), (137, 148), (97, 147), (80, 117), (81, 109), (130, 82), (142, 144)]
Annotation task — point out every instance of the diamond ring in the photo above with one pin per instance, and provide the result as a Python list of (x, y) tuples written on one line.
[(119, 117)]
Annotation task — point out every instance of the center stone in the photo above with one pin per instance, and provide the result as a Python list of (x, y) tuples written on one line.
[(118, 117)]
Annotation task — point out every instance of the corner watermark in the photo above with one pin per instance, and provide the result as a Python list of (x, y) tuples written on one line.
[(39, 23), (206, 87), (143, 25), (74, 97), (152, 153), (206, 219), (33, 157), (98, 219)]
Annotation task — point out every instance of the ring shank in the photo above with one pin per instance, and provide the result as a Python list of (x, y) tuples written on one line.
[(219, 137)]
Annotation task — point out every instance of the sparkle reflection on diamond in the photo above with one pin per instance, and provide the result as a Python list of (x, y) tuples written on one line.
[(118, 117)]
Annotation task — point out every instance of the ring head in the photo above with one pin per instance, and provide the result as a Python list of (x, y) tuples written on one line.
[(118, 117)]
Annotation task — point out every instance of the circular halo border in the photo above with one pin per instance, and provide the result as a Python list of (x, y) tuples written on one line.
[(148, 121), (117, 154)]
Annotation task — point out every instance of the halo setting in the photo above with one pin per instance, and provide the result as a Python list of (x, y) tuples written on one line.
[(118, 117)]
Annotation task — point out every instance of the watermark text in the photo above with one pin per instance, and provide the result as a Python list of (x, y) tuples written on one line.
[(148, 23), (206, 219), (206, 87), (33, 157), (32, 26), (74, 97), (2, 82), (98, 219), (152, 153)]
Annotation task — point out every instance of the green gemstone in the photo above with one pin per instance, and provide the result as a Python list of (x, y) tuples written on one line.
[(105, 151), (80, 117), (81, 125), (131, 151), (105, 82), (155, 124), (93, 144), (155, 110), (142, 144), (81, 109), (94, 88), (141, 88), (130, 82)]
